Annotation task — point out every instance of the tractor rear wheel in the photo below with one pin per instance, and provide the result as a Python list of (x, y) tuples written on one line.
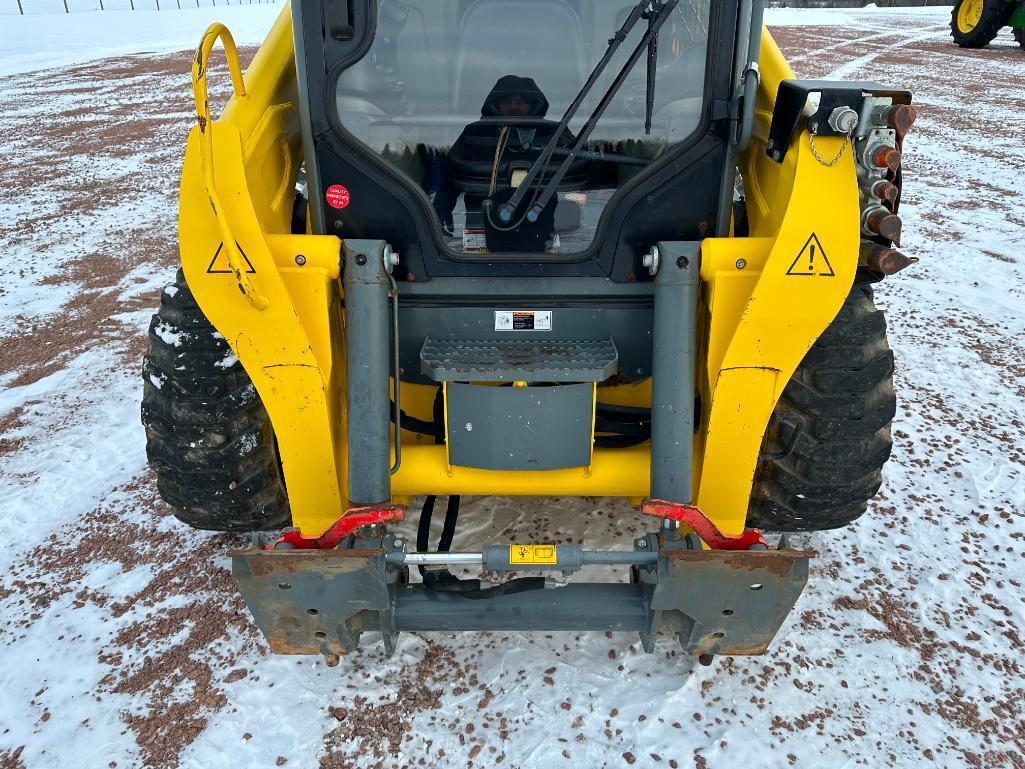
[(829, 436), (974, 23), (208, 435)]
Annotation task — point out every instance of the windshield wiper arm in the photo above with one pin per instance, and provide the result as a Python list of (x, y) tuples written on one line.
[(505, 212), (649, 91), (650, 34)]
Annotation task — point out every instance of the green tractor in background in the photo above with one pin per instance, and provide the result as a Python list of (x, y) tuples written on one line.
[(974, 23)]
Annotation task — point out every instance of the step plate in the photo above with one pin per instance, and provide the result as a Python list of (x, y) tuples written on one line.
[(515, 360)]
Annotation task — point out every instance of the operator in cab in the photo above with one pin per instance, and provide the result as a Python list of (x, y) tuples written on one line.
[(489, 160)]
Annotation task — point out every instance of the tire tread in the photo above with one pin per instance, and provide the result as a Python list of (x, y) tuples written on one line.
[(208, 435)]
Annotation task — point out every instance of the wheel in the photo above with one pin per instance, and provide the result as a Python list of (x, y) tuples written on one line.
[(829, 435), (1019, 35), (974, 23), (208, 435)]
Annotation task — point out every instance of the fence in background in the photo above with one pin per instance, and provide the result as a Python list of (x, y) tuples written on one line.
[(851, 3), (25, 7)]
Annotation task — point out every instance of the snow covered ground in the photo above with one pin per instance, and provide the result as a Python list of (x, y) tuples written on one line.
[(51, 40), (122, 642)]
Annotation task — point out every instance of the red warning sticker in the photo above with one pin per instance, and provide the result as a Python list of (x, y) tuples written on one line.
[(337, 196)]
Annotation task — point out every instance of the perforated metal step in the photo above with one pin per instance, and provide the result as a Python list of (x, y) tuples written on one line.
[(527, 360)]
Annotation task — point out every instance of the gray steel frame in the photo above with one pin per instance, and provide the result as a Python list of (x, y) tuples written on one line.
[(714, 602), (367, 345)]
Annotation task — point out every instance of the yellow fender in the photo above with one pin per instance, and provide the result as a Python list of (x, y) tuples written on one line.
[(770, 296), (274, 297)]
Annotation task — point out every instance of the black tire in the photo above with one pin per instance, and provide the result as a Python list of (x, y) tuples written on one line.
[(994, 17), (208, 436), (829, 436), (1019, 35)]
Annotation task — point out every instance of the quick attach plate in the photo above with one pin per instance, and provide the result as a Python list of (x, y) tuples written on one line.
[(727, 601), (315, 601), (714, 601), (793, 96)]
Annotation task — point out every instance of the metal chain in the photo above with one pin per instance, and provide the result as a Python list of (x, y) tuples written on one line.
[(815, 152)]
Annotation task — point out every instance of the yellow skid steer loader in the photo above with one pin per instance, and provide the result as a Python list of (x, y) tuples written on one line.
[(435, 248)]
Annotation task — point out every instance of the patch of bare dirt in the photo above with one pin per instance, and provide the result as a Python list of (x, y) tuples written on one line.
[(9, 422), (11, 759), (380, 730), (167, 655), (70, 142)]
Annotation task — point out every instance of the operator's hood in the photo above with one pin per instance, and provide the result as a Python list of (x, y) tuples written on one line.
[(514, 85)]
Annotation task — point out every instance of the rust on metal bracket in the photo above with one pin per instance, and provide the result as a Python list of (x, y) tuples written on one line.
[(734, 601)]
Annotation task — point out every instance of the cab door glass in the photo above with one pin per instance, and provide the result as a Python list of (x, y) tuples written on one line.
[(465, 98)]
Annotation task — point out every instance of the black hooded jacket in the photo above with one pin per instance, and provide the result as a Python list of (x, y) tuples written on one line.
[(509, 86), (471, 163)]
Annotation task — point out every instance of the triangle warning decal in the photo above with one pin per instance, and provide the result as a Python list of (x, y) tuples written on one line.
[(812, 260), (219, 264)]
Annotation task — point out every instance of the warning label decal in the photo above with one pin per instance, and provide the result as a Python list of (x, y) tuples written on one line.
[(523, 320), (219, 264), (812, 260), (526, 555)]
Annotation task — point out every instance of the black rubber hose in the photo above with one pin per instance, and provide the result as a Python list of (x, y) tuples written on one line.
[(412, 424), (632, 429), (448, 530), (423, 529), (446, 582), (624, 413), (617, 441)]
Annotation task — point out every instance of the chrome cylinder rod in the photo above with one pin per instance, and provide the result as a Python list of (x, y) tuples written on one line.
[(532, 557)]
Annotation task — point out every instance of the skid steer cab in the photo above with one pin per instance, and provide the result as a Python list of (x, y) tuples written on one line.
[(437, 248)]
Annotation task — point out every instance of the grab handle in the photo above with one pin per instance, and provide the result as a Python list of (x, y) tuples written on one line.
[(199, 69)]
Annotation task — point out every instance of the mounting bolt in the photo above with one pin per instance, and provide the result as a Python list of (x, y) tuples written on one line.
[(651, 260), (399, 544), (361, 259), (741, 264), (469, 427), (390, 258), (642, 544), (300, 260), (682, 262)]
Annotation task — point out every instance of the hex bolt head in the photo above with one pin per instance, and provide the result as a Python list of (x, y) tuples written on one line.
[(843, 120), (642, 544), (399, 544), (741, 264), (468, 427), (361, 259), (300, 260)]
